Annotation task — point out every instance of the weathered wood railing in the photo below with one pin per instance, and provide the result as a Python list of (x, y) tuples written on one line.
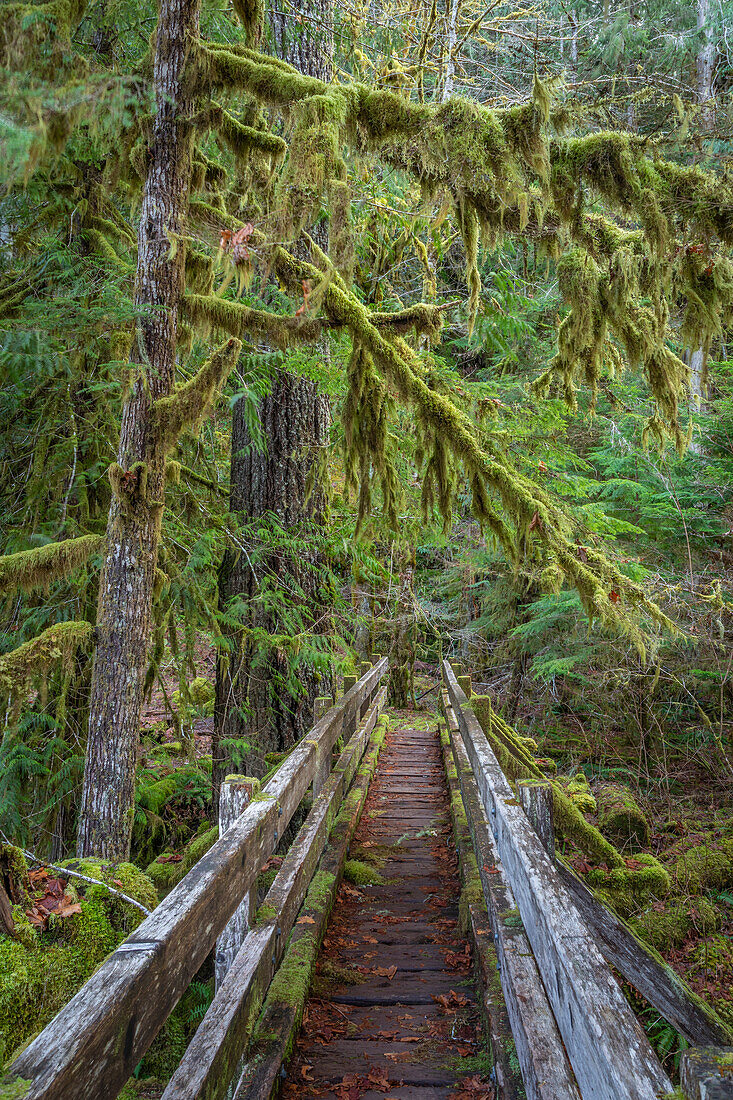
[(93, 1045), (575, 1034)]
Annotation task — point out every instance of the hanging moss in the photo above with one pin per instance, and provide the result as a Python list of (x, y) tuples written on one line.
[(29, 570), (188, 404), (257, 324), (20, 667)]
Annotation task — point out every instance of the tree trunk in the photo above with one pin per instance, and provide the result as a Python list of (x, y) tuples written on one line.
[(308, 44), (133, 527), (253, 706), (705, 64)]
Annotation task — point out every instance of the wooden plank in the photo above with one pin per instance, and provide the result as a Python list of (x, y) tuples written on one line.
[(215, 1050), (608, 1050), (93, 1045), (546, 1072), (647, 971), (279, 1021), (407, 1063), (235, 795), (496, 1017), (536, 798)]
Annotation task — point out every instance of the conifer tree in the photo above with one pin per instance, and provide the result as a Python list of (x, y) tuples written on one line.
[(282, 479), (633, 236)]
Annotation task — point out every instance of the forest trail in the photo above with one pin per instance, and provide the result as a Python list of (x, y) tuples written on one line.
[(393, 1008)]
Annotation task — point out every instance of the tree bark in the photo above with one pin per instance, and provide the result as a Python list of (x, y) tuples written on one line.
[(252, 706), (133, 527), (705, 64), (252, 703)]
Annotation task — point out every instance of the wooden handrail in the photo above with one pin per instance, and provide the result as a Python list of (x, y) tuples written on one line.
[(94, 1043), (610, 1054)]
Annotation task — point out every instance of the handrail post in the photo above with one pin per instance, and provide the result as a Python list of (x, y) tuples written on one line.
[(321, 704), (706, 1073), (536, 798), (236, 794)]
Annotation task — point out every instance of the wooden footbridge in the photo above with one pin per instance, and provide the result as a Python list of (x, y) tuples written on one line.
[(466, 930)]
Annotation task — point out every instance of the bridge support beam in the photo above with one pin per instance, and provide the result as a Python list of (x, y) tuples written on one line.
[(536, 798)]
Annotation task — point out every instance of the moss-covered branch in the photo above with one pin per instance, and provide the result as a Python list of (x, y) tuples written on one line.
[(188, 404), (34, 658), (506, 174), (533, 512), (37, 568)]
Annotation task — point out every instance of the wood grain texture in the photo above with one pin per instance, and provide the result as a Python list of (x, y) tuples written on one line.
[(610, 1054), (647, 971), (546, 1071), (93, 1045), (220, 1040)]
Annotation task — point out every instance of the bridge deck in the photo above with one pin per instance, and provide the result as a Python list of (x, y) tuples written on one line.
[(394, 1006)]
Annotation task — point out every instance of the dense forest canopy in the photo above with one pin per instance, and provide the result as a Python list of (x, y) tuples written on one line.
[(332, 329)]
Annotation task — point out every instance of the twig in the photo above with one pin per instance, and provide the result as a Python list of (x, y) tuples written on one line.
[(85, 878)]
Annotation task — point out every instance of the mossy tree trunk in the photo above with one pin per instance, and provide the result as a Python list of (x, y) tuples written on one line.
[(133, 528), (251, 705)]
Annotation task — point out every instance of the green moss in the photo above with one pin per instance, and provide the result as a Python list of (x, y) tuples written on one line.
[(199, 846), (620, 818), (361, 874), (185, 408), (121, 876), (34, 658), (705, 867), (577, 788), (167, 1049), (37, 568), (629, 887), (265, 913), (14, 1088), (670, 927), (472, 893), (165, 873), (38, 976)]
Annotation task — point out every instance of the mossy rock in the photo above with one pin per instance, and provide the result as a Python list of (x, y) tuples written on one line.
[(120, 876), (165, 873), (577, 788), (199, 846), (670, 927), (620, 818), (629, 888), (707, 866), (361, 874)]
